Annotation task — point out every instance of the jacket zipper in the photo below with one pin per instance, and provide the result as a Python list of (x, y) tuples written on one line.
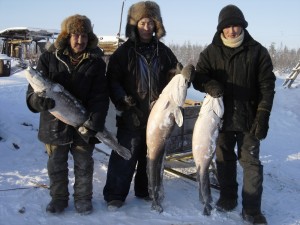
[(149, 77)]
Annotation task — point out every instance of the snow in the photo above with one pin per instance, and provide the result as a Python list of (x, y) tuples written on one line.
[(23, 163), (4, 57)]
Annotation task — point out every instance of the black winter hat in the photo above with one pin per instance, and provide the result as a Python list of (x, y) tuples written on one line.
[(231, 15)]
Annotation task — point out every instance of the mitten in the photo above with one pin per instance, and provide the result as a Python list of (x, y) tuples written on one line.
[(188, 72), (40, 103), (214, 88), (125, 103), (88, 134), (179, 67), (260, 126)]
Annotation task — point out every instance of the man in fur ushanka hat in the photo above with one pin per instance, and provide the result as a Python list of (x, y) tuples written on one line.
[(137, 73), (76, 24), (142, 10), (74, 61)]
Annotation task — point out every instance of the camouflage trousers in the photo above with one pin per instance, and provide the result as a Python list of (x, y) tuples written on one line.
[(58, 171)]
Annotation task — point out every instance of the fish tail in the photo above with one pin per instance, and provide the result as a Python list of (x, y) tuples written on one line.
[(108, 139)]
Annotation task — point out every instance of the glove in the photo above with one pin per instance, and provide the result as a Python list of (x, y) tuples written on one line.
[(135, 119), (40, 103), (214, 88), (125, 103), (260, 126), (179, 67), (188, 72), (88, 134)]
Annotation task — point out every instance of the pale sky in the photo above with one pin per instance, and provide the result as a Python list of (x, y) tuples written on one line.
[(193, 21)]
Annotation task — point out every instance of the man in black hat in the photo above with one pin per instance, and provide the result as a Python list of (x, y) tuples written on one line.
[(75, 62), (238, 68)]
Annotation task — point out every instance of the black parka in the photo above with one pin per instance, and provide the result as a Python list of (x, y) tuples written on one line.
[(125, 78), (246, 73), (86, 82)]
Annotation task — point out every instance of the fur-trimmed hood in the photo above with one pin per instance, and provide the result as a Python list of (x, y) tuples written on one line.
[(140, 10), (76, 24)]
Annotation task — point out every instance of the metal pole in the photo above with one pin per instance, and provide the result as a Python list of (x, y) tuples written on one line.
[(119, 33)]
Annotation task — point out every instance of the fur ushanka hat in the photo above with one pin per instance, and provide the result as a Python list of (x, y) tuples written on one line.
[(231, 15), (73, 25), (140, 10)]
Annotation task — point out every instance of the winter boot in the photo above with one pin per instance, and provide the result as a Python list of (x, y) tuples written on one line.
[(114, 205), (226, 204), (228, 186), (147, 198), (57, 206), (84, 207), (254, 217)]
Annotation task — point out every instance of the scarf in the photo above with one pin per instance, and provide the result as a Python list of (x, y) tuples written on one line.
[(233, 43), (75, 58)]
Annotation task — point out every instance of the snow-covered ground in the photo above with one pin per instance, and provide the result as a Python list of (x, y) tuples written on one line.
[(23, 163)]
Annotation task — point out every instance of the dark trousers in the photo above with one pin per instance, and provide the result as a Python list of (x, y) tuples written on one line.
[(120, 171), (248, 157), (58, 171)]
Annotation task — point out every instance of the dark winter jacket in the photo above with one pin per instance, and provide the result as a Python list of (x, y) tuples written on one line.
[(246, 73), (86, 82), (141, 71)]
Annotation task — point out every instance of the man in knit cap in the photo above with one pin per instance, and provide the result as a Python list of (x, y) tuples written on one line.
[(75, 62), (137, 73), (238, 68)]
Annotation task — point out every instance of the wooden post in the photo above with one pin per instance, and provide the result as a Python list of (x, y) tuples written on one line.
[(1, 67)]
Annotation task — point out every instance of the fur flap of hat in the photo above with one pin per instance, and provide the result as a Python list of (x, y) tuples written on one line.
[(140, 10), (231, 15), (76, 24)]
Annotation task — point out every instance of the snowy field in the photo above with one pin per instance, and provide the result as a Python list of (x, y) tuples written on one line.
[(23, 164)]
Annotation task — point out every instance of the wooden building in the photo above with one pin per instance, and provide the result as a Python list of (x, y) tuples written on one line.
[(26, 42)]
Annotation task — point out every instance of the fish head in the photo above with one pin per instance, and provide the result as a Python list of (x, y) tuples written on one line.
[(36, 80)]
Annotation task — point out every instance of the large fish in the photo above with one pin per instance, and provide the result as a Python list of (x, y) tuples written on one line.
[(68, 109), (205, 133), (163, 116)]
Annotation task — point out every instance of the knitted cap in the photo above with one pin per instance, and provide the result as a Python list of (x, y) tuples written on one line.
[(231, 15), (76, 24), (140, 10)]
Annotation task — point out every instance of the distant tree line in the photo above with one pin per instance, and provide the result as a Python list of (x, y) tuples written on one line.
[(283, 58)]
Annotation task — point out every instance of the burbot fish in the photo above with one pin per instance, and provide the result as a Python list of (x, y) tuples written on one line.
[(163, 116), (205, 133), (68, 109)]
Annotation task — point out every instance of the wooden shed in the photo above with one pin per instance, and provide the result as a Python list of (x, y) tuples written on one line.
[(17, 41)]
